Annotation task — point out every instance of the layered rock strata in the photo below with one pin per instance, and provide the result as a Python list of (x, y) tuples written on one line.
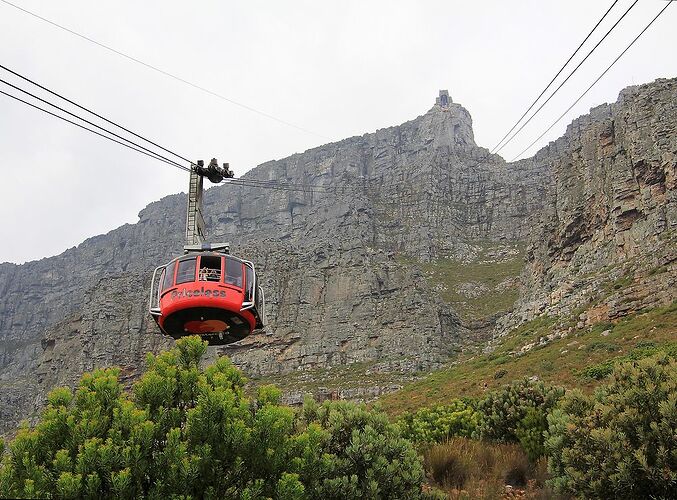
[(356, 253)]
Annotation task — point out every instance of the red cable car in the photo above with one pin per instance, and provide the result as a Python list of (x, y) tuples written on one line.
[(206, 292), (210, 294)]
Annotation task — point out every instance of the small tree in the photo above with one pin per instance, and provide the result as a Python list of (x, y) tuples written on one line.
[(621, 442), (370, 458), (517, 413), (440, 423)]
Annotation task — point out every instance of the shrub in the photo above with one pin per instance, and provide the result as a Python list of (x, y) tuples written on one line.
[(191, 432), (530, 431), (517, 413), (621, 442), (369, 457), (643, 349), (440, 423)]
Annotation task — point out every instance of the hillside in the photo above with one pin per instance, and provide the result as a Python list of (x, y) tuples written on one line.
[(421, 246), (581, 359)]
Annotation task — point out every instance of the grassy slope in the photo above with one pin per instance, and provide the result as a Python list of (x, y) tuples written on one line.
[(449, 274), (560, 361)]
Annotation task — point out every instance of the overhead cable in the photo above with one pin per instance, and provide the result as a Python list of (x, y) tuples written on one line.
[(88, 122), (593, 83), (92, 112), (555, 77), (164, 72), (94, 131), (567, 78)]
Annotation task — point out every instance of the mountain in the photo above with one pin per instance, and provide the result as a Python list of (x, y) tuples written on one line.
[(403, 247)]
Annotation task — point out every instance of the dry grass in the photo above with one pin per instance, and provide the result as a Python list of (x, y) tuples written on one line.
[(465, 468)]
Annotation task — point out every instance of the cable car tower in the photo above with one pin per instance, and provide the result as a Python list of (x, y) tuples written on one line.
[(206, 291)]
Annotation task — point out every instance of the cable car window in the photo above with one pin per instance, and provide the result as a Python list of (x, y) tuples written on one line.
[(250, 284), (186, 271), (210, 268), (168, 280), (233, 272)]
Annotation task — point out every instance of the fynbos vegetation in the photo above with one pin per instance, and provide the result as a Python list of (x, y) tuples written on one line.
[(192, 432)]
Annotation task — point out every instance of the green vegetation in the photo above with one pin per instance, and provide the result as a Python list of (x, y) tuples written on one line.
[(621, 442), (642, 350), (517, 413), (618, 443), (441, 423), (485, 279), (486, 275), (192, 433), (557, 361)]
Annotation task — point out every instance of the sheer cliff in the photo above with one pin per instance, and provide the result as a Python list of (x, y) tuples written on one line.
[(402, 246), (604, 245)]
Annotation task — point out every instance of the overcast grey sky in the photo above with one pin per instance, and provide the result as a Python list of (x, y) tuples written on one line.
[(337, 68)]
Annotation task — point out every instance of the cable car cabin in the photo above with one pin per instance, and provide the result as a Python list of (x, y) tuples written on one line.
[(208, 294)]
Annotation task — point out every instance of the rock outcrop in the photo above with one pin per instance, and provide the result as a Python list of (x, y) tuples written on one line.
[(604, 245), (360, 253)]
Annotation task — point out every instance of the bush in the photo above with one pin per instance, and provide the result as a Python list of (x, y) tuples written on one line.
[(643, 349), (517, 413), (440, 423), (185, 431), (364, 455), (621, 442)]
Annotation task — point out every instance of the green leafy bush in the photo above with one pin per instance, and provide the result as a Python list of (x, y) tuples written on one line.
[(363, 454), (517, 413), (191, 432), (530, 431), (642, 350), (621, 442), (440, 423)]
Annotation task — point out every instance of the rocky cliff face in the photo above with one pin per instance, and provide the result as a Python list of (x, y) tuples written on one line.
[(605, 242), (401, 247)]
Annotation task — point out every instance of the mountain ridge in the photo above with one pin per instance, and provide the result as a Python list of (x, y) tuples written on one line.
[(348, 276)]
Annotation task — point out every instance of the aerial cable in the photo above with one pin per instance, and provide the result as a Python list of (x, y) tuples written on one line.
[(244, 182), (91, 112), (88, 122), (566, 79), (254, 183), (152, 155), (278, 183), (592, 85), (164, 72), (556, 75)]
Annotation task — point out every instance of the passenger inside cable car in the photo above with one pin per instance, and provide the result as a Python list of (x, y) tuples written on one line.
[(210, 268)]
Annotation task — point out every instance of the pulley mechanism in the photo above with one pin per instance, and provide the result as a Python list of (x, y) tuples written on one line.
[(212, 171)]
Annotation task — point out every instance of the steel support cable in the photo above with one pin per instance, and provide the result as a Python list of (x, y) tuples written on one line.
[(164, 72), (556, 75), (244, 183), (264, 182), (92, 112), (89, 122), (140, 149), (567, 78), (593, 83), (93, 131)]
